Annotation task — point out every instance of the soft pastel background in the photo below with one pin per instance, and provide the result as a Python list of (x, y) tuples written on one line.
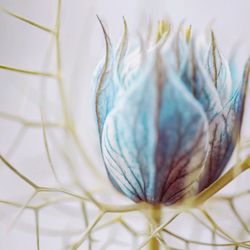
[(82, 44)]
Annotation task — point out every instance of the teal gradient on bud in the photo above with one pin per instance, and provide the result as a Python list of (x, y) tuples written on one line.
[(168, 116)]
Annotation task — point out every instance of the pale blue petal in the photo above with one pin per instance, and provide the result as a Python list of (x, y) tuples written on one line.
[(234, 73), (224, 120), (226, 130), (175, 53), (155, 139), (106, 79), (216, 66), (196, 79), (219, 72)]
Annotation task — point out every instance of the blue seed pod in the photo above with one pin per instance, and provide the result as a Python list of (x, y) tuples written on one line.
[(168, 116)]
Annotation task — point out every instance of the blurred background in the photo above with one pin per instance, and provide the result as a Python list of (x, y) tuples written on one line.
[(22, 96)]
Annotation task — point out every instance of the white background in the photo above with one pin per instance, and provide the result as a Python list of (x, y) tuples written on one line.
[(82, 44)]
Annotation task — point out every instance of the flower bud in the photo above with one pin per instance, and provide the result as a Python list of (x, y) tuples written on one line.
[(168, 116)]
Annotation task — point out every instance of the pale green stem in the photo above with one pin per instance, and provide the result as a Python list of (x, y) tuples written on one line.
[(155, 212)]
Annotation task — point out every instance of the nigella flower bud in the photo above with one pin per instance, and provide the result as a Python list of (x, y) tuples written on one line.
[(168, 116)]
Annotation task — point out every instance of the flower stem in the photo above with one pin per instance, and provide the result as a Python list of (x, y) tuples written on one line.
[(229, 176), (155, 212)]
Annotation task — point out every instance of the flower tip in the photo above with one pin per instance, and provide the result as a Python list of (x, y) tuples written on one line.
[(162, 30), (188, 33)]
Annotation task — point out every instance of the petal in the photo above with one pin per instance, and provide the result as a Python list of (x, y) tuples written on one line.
[(217, 67), (107, 83), (176, 52), (226, 130), (223, 124), (155, 139), (233, 65), (219, 71), (196, 79), (105, 88)]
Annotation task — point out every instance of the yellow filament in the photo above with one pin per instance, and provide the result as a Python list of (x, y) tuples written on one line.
[(163, 29), (188, 33)]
